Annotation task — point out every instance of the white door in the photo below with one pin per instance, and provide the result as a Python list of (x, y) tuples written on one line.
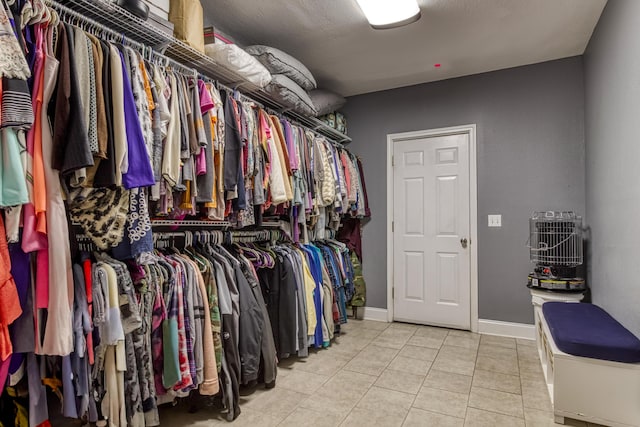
[(431, 230)]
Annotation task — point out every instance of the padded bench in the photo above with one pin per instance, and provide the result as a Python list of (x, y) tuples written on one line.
[(591, 364)]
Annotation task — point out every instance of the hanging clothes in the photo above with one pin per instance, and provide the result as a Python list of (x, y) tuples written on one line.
[(96, 140)]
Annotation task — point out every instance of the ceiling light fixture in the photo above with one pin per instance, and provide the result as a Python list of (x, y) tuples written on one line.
[(383, 14)]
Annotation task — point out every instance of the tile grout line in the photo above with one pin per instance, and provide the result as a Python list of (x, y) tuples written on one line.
[(498, 413), (369, 388), (520, 377), (425, 377), (475, 361), (487, 410)]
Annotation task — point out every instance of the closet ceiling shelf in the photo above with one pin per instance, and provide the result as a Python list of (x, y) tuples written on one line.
[(133, 28)]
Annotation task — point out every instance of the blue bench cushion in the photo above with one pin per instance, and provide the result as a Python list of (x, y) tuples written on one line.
[(587, 330)]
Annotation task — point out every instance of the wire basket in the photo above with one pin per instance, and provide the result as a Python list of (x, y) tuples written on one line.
[(555, 239)]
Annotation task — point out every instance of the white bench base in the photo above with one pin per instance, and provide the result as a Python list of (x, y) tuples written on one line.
[(591, 390)]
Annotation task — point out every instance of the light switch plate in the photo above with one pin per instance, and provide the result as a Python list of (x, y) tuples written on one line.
[(495, 220)]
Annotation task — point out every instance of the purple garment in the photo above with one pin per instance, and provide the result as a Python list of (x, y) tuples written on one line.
[(4, 372), (17, 363), (69, 408), (291, 149), (140, 173)]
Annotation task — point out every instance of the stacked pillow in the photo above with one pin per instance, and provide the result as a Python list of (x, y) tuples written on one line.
[(282, 76), (232, 57), (291, 79), (288, 93), (326, 101), (279, 62)]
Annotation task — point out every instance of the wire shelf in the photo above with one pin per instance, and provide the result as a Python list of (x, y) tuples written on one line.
[(122, 21), (131, 27)]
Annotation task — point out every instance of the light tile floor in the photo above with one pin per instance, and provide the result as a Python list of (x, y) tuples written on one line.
[(380, 374)]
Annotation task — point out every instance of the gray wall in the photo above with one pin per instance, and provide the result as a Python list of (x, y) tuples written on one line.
[(612, 91), (530, 142)]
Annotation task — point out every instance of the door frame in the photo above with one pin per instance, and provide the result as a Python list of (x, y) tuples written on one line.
[(473, 210)]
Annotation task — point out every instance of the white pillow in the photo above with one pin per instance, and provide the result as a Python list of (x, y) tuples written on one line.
[(232, 57), (279, 62)]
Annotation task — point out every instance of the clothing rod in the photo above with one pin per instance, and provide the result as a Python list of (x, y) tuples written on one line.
[(190, 236), (230, 89), (242, 96), (152, 53), (313, 131)]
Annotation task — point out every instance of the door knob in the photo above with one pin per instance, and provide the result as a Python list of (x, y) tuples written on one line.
[(464, 242)]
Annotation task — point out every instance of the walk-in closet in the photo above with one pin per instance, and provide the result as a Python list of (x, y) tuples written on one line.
[(323, 213)]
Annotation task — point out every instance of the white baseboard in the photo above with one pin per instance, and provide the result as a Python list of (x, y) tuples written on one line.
[(507, 329), (377, 314)]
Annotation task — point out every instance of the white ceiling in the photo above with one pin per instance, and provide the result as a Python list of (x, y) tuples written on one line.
[(346, 55)]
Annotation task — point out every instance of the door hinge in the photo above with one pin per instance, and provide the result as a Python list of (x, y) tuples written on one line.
[(393, 161), (393, 293), (393, 226)]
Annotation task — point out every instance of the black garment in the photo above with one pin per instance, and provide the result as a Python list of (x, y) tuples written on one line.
[(106, 174), (257, 211), (233, 145), (367, 211), (267, 351), (240, 203), (251, 325), (279, 290), (71, 149), (17, 110), (269, 358), (230, 368)]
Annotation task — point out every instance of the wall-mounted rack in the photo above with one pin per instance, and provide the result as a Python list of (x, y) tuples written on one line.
[(131, 27), (194, 225), (189, 223)]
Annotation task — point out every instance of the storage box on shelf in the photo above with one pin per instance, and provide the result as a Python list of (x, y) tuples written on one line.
[(593, 390), (131, 27)]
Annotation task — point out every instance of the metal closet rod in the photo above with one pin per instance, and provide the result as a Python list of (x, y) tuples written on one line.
[(149, 53)]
